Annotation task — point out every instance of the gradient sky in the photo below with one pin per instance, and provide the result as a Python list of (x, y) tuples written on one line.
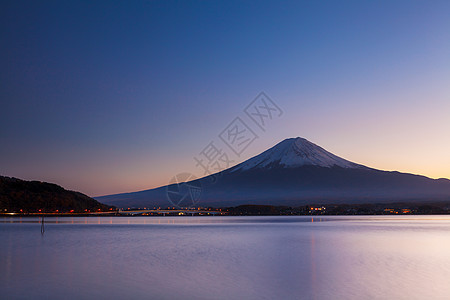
[(117, 96)]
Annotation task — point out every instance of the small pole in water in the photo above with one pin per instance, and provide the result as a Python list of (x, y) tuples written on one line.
[(42, 225)]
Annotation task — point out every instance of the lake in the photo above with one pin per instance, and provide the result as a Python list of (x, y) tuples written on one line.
[(345, 257)]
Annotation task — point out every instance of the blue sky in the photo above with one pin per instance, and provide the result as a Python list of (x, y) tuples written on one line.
[(119, 96)]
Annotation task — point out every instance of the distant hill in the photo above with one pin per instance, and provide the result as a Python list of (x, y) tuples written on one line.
[(294, 172), (32, 196)]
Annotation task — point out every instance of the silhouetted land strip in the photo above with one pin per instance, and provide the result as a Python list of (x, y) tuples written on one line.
[(22, 196), (342, 209), (36, 198)]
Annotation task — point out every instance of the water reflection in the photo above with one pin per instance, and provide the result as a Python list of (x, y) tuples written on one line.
[(166, 220), (226, 258)]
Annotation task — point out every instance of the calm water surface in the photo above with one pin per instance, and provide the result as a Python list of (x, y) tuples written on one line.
[(226, 258)]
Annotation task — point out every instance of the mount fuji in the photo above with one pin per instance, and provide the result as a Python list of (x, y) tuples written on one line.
[(294, 172), (294, 153)]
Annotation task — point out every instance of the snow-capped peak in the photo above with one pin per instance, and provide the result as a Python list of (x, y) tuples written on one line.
[(295, 152)]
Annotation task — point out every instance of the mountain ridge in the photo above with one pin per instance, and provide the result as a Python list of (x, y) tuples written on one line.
[(295, 172), (31, 196), (296, 152)]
